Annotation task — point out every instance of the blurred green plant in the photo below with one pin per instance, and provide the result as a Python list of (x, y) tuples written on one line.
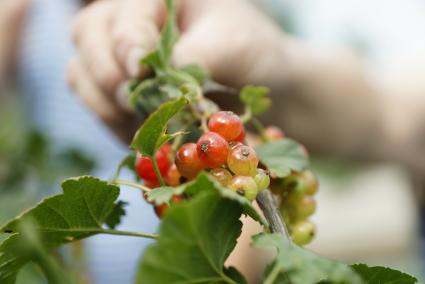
[(27, 158)]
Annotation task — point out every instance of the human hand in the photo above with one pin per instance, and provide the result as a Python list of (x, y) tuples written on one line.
[(232, 40)]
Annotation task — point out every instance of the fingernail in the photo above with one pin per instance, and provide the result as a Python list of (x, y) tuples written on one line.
[(133, 61), (122, 96)]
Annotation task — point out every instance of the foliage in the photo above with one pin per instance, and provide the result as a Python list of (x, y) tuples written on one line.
[(195, 240), (198, 233), (86, 204), (255, 99), (299, 266), (382, 275), (282, 156)]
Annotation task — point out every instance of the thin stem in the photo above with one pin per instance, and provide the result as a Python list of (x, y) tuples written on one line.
[(157, 172), (199, 116), (268, 205), (128, 233), (273, 275), (246, 117), (131, 184), (260, 128)]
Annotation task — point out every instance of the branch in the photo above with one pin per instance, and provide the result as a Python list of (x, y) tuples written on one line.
[(214, 87), (268, 205)]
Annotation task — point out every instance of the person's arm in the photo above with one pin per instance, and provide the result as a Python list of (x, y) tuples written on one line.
[(11, 17), (325, 101)]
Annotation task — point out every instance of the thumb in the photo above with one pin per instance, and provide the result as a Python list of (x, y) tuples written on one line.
[(136, 31)]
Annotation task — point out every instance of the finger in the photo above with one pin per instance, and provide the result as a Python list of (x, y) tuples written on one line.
[(136, 32), (92, 36), (111, 114)]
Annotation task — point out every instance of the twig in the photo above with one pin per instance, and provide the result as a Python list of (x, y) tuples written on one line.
[(214, 87), (131, 184), (268, 205)]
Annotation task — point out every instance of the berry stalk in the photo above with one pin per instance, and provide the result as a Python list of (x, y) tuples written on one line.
[(268, 205)]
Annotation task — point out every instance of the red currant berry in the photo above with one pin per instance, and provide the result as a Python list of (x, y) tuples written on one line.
[(274, 133), (227, 124), (244, 186), (262, 179), (241, 137), (242, 160), (152, 183), (166, 149), (221, 175), (162, 209), (172, 178), (187, 160), (145, 169), (212, 149), (303, 232)]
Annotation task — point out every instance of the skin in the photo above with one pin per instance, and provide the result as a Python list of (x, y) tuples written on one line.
[(12, 13)]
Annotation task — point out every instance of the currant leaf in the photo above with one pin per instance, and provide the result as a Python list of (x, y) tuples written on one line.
[(382, 275), (282, 156), (255, 99), (196, 72), (159, 59), (161, 195), (296, 265), (85, 206), (195, 239), (114, 218), (151, 136), (128, 162)]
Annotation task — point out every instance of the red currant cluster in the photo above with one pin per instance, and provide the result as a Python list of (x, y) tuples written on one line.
[(219, 151), (222, 153)]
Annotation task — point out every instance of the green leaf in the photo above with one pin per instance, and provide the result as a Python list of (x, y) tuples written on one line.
[(301, 266), (235, 275), (114, 218), (161, 195), (255, 98), (204, 183), (382, 275), (282, 156), (78, 213), (159, 59), (195, 239), (128, 162), (196, 72), (152, 134)]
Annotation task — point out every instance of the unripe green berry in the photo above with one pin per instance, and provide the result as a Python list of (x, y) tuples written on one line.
[(262, 179), (303, 232), (221, 175), (305, 207), (242, 160), (245, 186), (311, 182)]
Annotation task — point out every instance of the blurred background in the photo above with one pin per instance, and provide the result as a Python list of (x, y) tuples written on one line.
[(368, 211)]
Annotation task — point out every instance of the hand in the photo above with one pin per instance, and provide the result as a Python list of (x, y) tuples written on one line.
[(232, 40), (11, 15)]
